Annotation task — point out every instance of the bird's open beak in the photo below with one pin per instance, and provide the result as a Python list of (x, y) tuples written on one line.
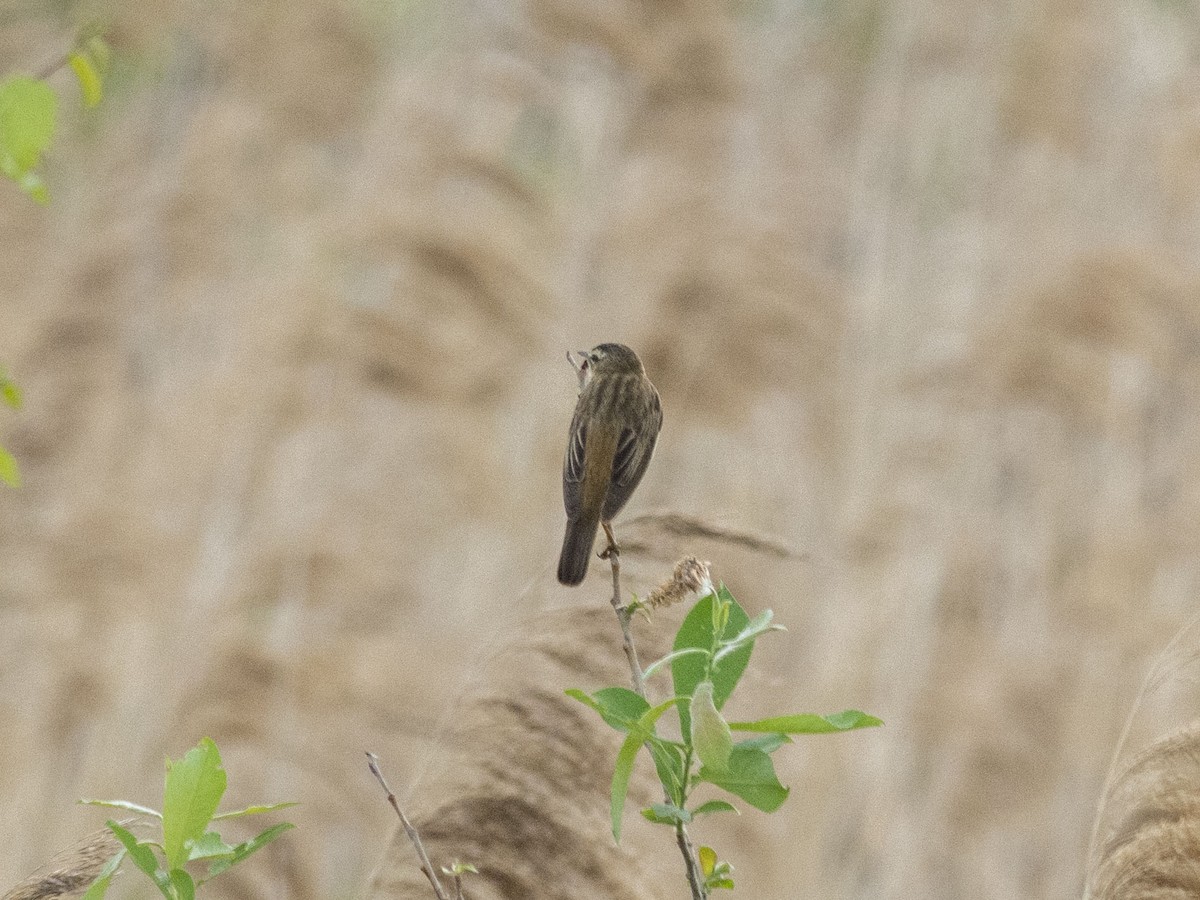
[(582, 371)]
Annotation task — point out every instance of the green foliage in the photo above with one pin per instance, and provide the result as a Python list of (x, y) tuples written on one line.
[(193, 790), (195, 785), (710, 617), (89, 79), (716, 873), (641, 732), (711, 736), (10, 395), (28, 118), (750, 775), (89, 61), (29, 113), (808, 723), (9, 473), (711, 652)]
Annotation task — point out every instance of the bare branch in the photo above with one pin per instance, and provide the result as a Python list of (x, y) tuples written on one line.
[(426, 866), (624, 616)]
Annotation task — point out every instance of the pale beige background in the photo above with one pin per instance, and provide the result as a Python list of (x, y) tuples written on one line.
[(917, 283)]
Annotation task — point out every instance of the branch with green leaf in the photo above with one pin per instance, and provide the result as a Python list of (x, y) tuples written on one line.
[(29, 111), (28, 118), (711, 652), (193, 790)]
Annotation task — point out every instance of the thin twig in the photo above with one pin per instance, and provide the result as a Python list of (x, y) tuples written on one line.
[(50, 68), (426, 866), (624, 616), (613, 553), (695, 881)]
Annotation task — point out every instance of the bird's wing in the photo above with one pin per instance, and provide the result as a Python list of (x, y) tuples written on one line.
[(573, 464), (572, 481), (628, 459), (633, 455), (634, 449)]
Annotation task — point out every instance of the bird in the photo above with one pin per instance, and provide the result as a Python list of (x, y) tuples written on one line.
[(612, 436)]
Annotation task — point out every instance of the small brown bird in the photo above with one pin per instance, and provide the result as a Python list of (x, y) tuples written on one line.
[(616, 423)]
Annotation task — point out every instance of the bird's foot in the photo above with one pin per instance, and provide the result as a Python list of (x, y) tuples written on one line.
[(613, 548)]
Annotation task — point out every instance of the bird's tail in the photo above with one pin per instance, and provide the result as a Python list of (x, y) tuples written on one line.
[(577, 550)]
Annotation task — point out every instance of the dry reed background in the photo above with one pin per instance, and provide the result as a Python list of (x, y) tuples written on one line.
[(916, 281)]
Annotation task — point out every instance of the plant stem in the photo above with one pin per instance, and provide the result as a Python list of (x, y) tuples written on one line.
[(695, 882), (426, 866), (624, 616)]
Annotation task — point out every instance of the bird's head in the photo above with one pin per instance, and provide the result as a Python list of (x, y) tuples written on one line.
[(606, 359)]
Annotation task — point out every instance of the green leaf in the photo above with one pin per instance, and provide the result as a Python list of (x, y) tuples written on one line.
[(640, 733), (720, 883), (666, 814), (143, 857), (99, 887), (194, 787), (645, 724), (10, 474), (619, 707), (849, 719), (714, 806), (757, 627), (668, 763), (696, 630), (583, 697), (708, 860), (620, 781), (810, 723), (241, 851), (185, 888), (89, 79), (767, 743), (253, 810), (695, 633), (670, 658), (751, 776), (9, 392), (459, 868), (207, 846), (28, 109), (123, 804), (710, 736)]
